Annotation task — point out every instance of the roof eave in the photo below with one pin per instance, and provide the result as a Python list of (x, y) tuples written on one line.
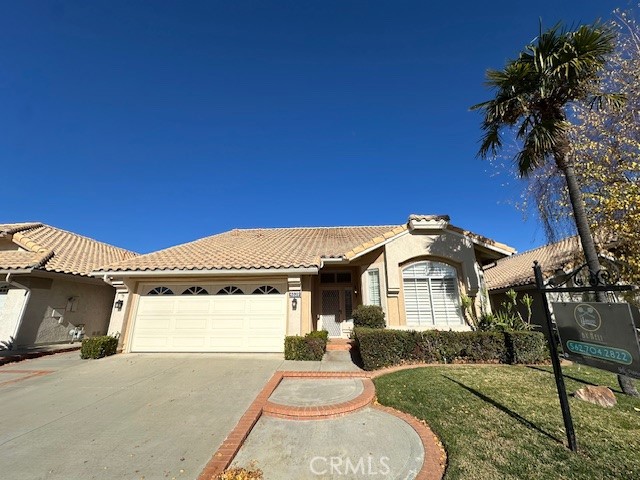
[(12, 271), (207, 272)]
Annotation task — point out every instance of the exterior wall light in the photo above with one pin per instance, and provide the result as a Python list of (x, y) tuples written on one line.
[(294, 304), (119, 303)]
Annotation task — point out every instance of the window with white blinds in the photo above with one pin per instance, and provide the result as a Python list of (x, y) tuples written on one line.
[(373, 281), (431, 295)]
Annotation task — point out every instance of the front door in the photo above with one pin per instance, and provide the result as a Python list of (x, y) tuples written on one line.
[(337, 305)]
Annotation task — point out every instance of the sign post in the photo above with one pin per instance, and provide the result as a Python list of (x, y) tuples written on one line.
[(557, 369)]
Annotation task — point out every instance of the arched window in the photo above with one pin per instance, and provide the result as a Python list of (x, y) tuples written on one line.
[(266, 290), (431, 297), (230, 290), (161, 291), (195, 291)]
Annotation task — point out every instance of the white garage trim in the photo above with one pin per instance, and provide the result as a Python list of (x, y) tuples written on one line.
[(209, 323)]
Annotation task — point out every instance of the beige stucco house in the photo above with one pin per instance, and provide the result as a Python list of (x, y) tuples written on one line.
[(244, 290), (45, 287)]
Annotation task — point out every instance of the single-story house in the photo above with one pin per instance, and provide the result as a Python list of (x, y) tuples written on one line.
[(516, 272), (244, 290), (46, 289)]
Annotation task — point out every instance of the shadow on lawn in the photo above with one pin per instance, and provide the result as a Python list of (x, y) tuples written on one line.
[(504, 409), (576, 379)]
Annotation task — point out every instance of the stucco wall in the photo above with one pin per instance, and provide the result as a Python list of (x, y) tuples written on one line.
[(306, 317), (450, 246), (92, 308), (10, 312), (117, 316)]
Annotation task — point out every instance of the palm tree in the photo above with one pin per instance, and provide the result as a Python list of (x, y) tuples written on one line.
[(532, 94)]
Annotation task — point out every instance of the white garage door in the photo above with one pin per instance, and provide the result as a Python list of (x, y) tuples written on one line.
[(210, 323)]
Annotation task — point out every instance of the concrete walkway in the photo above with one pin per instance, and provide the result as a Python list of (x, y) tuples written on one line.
[(321, 425), (333, 361), (362, 445)]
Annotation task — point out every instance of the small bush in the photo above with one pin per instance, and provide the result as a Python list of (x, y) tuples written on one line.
[(310, 347), (321, 334), (384, 348), (98, 347), (370, 316), (527, 347)]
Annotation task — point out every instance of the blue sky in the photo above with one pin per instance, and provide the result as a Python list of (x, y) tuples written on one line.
[(148, 124)]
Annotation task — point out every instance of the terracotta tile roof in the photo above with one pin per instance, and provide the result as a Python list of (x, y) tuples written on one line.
[(375, 241), (518, 269), (19, 259), (56, 250), (264, 248), (256, 248)]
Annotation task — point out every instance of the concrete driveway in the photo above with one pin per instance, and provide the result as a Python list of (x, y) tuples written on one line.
[(151, 416)]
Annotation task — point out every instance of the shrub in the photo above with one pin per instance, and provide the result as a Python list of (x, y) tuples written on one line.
[(370, 316), (527, 347), (310, 347), (321, 334), (383, 348), (98, 347)]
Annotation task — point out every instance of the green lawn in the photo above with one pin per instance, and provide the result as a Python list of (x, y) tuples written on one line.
[(504, 422)]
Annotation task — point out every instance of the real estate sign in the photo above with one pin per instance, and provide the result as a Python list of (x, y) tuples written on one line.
[(601, 335)]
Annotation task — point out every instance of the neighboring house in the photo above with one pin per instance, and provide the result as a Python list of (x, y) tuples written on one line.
[(516, 272), (45, 287), (244, 290)]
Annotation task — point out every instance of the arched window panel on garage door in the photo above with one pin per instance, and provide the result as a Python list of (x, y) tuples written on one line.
[(266, 290), (230, 290), (431, 295), (161, 291), (195, 290)]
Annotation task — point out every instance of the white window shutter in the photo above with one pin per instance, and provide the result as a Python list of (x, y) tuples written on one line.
[(431, 295), (374, 287)]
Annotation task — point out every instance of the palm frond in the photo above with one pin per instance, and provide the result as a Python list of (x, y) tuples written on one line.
[(608, 100)]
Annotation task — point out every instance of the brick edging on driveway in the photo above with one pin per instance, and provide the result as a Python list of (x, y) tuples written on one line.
[(227, 451), (434, 456), (27, 356)]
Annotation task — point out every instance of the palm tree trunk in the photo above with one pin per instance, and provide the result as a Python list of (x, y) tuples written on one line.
[(588, 245)]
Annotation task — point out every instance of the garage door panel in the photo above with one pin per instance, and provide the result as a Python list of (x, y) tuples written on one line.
[(191, 341), (155, 323), (264, 305), (210, 323), (226, 323), (227, 343), (192, 324), (230, 304), (155, 305), (151, 344), (269, 322), (194, 305)]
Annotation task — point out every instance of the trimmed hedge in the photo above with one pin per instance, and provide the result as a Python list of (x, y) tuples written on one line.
[(310, 347), (383, 348), (371, 316), (98, 347), (527, 347)]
